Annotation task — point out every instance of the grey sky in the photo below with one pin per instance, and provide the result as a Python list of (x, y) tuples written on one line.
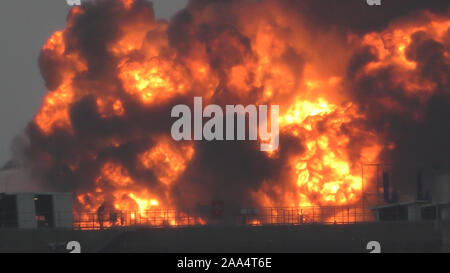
[(25, 25)]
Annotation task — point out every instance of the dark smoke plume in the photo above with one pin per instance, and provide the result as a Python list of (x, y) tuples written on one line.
[(70, 161)]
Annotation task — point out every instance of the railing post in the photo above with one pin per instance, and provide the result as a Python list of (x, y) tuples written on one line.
[(314, 216), (348, 215), (335, 215)]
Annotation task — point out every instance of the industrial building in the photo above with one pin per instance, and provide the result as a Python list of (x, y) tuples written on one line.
[(36, 210), (422, 208)]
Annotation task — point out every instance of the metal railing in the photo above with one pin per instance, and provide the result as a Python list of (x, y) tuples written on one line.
[(118, 219), (306, 215), (84, 220)]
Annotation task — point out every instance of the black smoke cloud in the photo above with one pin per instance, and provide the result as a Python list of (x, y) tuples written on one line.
[(420, 130), (230, 171), (357, 15)]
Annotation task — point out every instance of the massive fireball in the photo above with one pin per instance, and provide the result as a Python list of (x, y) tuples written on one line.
[(115, 71)]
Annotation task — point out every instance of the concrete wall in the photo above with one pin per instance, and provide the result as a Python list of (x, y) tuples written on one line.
[(414, 213), (445, 228), (25, 210), (445, 213), (441, 189), (62, 210), (393, 237), (43, 240)]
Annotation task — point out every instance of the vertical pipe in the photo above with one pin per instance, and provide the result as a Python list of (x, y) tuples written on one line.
[(333, 210), (378, 185), (362, 188), (386, 187)]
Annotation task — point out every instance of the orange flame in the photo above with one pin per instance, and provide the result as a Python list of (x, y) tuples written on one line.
[(314, 111)]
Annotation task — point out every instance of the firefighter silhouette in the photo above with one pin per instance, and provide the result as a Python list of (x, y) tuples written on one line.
[(101, 214)]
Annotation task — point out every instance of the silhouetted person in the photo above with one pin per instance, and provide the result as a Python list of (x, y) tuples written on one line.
[(100, 213), (122, 218), (113, 218)]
